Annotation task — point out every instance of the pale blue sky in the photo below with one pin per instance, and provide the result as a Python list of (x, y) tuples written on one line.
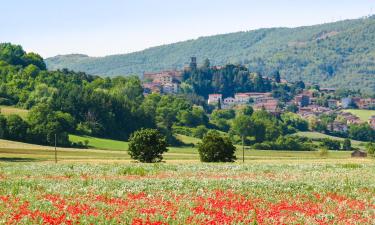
[(103, 27)]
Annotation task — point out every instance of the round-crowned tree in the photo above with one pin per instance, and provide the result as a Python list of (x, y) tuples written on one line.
[(147, 145), (215, 148)]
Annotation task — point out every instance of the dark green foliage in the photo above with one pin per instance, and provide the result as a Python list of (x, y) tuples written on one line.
[(370, 147), (45, 124), (294, 121), (106, 107), (16, 128), (336, 54), (200, 131), (243, 125), (147, 145), (362, 132), (227, 80), (216, 148), (15, 55), (347, 144), (292, 108), (248, 110), (219, 118), (330, 144), (293, 143), (193, 118), (3, 124)]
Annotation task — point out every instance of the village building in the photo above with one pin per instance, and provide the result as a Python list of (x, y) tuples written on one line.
[(170, 88), (353, 120), (215, 98), (359, 154), (332, 103), (162, 82), (346, 102), (337, 126), (327, 90), (366, 103), (242, 98), (246, 98), (270, 106), (162, 77), (149, 88), (229, 101)]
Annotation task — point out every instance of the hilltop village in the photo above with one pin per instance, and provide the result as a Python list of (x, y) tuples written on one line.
[(310, 102)]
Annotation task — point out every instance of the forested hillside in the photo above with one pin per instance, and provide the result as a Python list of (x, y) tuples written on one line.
[(335, 54)]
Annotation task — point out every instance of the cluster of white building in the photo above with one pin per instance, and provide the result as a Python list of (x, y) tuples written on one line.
[(257, 99), (162, 82)]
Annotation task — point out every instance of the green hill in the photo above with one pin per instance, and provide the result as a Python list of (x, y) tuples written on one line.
[(340, 54)]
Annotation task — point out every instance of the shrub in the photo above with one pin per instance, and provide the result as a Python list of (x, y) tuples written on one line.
[(16, 128), (323, 152), (200, 131), (215, 148), (3, 122), (147, 145), (330, 144), (370, 147), (347, 145), (293, 143)]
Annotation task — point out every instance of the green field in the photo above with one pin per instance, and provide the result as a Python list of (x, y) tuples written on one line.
[(10, 110), (100, 143), (364, 115), (312, 135), (116, 151)]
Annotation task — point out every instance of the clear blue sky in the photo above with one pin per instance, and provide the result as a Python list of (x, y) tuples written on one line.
[(103, 27)]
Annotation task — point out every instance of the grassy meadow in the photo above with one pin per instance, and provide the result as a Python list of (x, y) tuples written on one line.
[(10, 110), (257, 192), (363, 114), (102, 185)]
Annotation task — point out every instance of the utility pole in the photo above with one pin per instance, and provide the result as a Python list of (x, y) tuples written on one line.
[(55, 148)]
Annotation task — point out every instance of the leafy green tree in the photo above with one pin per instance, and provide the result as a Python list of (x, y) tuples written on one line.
[(243, 126), (370, 147), (347, 144), (362, 132), (293, 120), (147, 145), (200, 131), (45, 124), (3, 123), (215, 148), (331, 144), (16, 128), (248, 110), (292, 108)]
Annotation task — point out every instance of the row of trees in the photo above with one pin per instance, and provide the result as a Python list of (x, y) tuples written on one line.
[(40, 127), (148, 145), (69, 102)]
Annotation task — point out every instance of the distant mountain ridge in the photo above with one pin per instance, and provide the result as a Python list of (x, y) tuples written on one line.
[(339, 54)]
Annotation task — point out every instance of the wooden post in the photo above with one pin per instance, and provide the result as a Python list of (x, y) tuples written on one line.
[(55, 148)]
